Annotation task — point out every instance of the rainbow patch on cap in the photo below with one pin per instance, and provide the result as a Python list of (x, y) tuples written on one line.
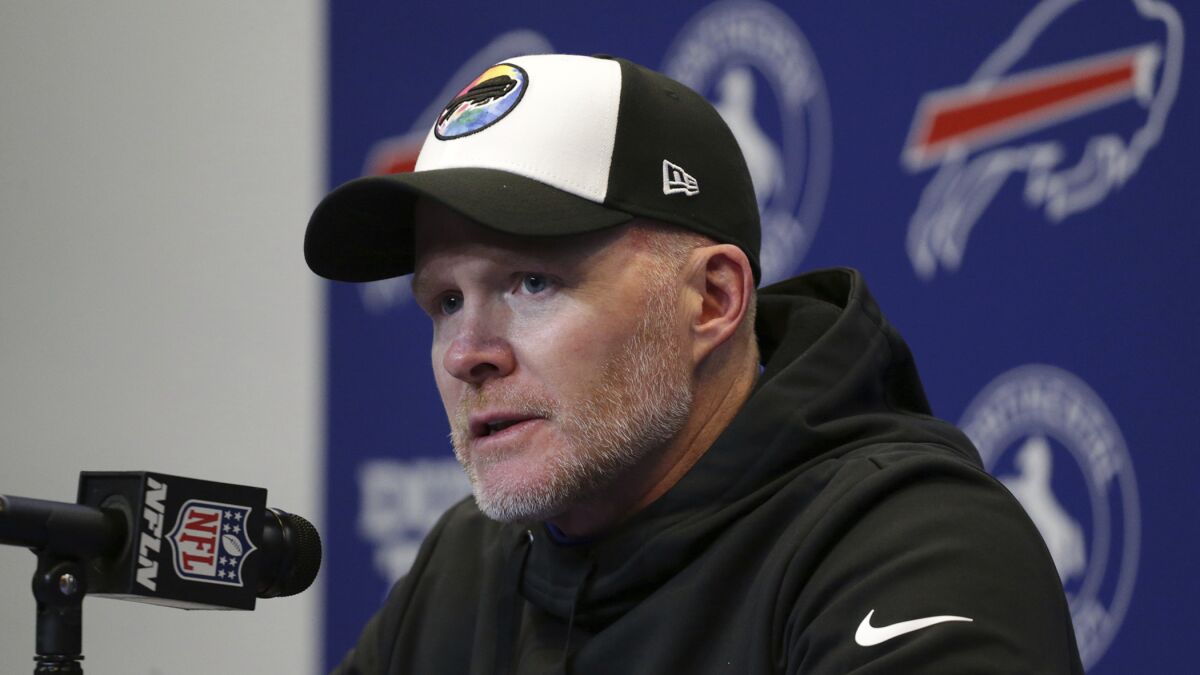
[(482, 103)]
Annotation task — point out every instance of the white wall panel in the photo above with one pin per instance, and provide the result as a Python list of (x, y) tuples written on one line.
[(158, 162)]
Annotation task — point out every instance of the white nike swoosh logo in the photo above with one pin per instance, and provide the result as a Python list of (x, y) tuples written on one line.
[(868, 635)]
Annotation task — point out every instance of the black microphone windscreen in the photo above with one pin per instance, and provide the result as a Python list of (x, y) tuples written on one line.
[(298, 554)]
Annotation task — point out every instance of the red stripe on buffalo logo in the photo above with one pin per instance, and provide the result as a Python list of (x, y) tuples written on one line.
[(963, 118)]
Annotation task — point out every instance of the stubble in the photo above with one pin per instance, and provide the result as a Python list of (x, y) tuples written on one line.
[(641, 399)]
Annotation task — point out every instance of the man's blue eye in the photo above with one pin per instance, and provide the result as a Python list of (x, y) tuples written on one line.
[(534, 283), (451, 303)]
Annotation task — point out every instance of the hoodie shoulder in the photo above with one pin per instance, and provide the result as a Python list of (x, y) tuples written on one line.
[(918, 533), (434, 604)]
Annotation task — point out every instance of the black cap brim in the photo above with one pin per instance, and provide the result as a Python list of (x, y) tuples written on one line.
[(363, 230)]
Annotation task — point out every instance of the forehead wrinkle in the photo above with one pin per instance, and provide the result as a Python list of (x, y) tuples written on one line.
[(442, 231), (510, 250), (498, 254)]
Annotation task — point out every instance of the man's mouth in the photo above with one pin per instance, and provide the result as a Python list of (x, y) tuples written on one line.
[(489, 424), (493, 427)]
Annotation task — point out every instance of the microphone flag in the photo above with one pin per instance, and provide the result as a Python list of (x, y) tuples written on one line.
[(191, 542)]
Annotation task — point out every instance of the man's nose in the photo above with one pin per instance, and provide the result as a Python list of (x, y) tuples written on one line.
[(475, 357)]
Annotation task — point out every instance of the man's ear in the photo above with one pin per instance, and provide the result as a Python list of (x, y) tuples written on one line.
[(723, 281)]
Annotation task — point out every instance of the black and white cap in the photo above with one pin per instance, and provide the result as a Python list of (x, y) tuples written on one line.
[(549, 145)]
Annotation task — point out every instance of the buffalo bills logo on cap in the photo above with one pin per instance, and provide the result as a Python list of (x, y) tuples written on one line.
[(482, 103)]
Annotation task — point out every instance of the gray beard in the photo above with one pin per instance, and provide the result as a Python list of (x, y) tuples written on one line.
[(642, 400)]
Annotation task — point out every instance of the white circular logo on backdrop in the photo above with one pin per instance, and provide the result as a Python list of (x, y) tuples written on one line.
[(1051, 440), (726, 52)]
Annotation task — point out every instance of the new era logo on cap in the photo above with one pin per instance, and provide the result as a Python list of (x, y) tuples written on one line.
[(676, 180)]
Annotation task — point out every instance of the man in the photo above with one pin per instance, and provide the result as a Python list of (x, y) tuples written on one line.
[(662, 482)]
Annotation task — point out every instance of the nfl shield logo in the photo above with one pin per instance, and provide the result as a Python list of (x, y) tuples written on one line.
[(210, 542)]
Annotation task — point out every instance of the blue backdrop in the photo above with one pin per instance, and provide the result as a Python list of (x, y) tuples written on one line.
[(1017, 180)]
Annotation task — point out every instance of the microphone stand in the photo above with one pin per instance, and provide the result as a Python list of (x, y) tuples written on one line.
[(62, 542), (59, 585)]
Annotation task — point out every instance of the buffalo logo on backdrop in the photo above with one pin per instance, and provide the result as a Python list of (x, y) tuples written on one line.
[(398, 154), (1077, 124), (727, 52), (400, 502), (210, 543), (1054, 444)]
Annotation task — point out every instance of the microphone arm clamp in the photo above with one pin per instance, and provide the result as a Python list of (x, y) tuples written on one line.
[(59, 585), (64, 537)]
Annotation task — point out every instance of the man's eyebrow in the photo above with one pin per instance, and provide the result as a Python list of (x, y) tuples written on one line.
[(417, 283)]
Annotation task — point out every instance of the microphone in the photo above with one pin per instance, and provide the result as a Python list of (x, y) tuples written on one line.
[(169, 540)]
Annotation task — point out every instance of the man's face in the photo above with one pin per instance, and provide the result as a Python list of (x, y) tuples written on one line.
[(560, 361)]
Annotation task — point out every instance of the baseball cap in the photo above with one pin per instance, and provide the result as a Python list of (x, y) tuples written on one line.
[(549, 145)]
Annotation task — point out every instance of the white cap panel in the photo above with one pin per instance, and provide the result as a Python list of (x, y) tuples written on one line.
[(561, 132)]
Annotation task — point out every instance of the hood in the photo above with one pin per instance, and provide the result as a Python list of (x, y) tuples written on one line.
[(836, 377)]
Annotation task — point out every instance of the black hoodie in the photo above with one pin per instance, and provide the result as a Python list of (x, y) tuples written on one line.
[(832, 511)]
